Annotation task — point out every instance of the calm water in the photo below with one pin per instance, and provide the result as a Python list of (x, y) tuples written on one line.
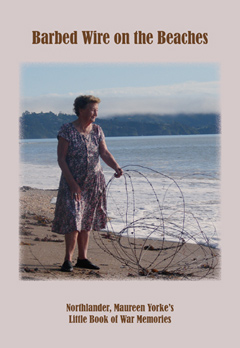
[(172, 155), (184, 168)]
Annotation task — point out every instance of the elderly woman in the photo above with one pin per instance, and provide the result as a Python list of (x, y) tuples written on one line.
[(81, 201)]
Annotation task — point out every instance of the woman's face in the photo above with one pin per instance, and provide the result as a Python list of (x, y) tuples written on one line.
[(90, 112)]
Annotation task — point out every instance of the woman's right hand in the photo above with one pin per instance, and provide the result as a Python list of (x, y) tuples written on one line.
[(62, 153), (75, 192)]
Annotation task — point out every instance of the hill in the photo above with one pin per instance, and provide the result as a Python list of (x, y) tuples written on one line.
[(46, 125)]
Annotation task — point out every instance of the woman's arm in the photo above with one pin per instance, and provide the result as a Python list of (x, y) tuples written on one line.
[(108, 158), (62, 153)]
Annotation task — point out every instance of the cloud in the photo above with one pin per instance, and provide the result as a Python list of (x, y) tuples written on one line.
[(186, 97)]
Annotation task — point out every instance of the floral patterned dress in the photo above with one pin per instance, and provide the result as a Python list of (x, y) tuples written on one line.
[(84, 163)]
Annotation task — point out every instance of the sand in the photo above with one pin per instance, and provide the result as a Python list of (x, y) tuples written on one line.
[(42, 251)]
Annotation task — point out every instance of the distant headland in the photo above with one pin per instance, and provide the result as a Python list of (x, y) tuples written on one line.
[(47, 124)]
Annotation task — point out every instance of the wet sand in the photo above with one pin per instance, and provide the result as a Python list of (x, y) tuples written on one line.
[(42, 251)]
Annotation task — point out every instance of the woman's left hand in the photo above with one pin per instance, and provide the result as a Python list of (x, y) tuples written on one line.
[(119, 172)]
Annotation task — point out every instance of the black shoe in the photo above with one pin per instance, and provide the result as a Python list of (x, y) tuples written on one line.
[(67, 266), (85, 263)]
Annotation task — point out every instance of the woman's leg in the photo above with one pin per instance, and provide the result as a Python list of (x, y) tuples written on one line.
[(83, 262), (70, 243), (83, 240)]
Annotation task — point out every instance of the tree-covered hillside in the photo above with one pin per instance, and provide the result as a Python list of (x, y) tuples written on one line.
[(46, 125)]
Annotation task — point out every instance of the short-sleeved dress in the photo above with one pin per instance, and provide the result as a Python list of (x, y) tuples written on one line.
[(84, 163)]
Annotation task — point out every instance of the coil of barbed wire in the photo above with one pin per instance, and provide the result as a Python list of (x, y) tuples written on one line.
[(151, 229)]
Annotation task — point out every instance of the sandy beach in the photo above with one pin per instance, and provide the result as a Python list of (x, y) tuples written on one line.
[(42, 251)]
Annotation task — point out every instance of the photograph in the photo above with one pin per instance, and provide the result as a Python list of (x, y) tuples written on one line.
[(155, 128)]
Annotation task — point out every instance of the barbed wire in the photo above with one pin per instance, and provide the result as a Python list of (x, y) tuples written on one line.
[(168, 240)]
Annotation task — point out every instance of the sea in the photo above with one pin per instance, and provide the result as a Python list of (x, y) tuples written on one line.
[(170, 188)]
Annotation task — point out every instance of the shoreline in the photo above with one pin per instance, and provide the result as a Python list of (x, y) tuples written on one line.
[(42, 251)]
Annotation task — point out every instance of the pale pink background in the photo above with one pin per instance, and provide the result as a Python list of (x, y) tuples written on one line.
[(205, 312)]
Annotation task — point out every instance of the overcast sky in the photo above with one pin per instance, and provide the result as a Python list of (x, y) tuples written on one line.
[(122, 88)]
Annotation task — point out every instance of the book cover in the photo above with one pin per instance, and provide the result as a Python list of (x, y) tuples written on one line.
[(43, 45)]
